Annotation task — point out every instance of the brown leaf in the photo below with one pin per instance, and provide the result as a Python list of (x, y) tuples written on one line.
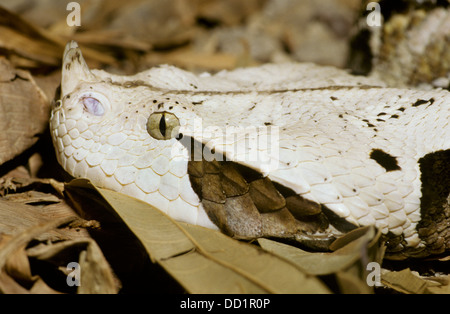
[(25, 111), (404, 281), (27, 235), (17, 212), (351, 284), (203, 260), (15, 272), (14, 267), (35, 47), (96, 275), (9, 285)]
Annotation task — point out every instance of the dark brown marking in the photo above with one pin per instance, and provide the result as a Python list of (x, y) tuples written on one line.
[(420, 102), (233, 184), (265, 196), (385, 160), (301, 207), (212, 188), (338, 222), (433, 228)]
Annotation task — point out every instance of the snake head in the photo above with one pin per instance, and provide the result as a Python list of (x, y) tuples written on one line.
[(120, 132)]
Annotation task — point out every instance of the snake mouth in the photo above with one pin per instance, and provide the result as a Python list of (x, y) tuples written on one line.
[(163, 125)]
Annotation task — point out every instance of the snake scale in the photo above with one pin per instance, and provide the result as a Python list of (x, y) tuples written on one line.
[(294, 151)]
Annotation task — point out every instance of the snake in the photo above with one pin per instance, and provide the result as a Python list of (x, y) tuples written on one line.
[(293, 151)]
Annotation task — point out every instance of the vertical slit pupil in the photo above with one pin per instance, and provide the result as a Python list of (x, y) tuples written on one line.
[(162, 125)]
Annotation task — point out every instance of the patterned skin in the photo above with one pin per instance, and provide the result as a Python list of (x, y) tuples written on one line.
[(314, 151)]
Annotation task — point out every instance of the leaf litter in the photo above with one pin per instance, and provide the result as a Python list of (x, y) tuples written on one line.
[(122, 244)]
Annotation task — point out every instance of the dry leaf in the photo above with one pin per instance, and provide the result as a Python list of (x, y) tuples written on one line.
[(96, 275), (15, 270), (351, 284), (33, 46), (27, 235), (17, 214), (442, 285), (25, 111), (187, 59), (404, 281), (314, 263), (409, 282), (356, 249), (348, 263), (11, 249), (204, 260), (31, 197)]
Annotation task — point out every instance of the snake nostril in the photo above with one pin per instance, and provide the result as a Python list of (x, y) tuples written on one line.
[(56, 103)]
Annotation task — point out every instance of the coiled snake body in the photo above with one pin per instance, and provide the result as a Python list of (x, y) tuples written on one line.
[(292, 151)]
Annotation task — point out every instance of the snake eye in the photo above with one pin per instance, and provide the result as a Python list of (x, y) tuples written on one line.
[(163, 125), (93, 106), (94, 103)]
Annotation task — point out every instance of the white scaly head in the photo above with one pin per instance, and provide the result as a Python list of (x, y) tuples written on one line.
[(106, 132)]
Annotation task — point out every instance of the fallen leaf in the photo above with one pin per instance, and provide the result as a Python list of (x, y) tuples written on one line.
[(350, 284), (96, 272), (442, 285), (31, 197), (404, 281), (27, 202), (36, 47), (314, 263), (410, 282), (204, 260), (25, 111), (21, 238), (356, 250), (96, 275)]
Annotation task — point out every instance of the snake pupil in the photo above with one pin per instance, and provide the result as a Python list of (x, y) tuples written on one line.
[(162, 125)]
